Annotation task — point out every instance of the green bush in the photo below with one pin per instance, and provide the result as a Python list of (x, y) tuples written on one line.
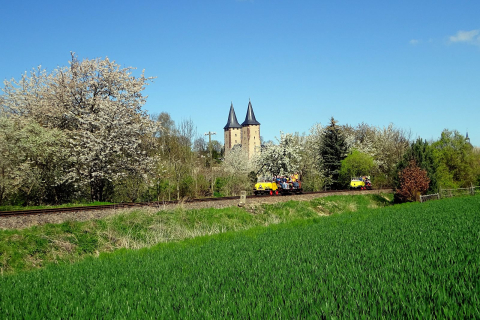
[(187, 187)]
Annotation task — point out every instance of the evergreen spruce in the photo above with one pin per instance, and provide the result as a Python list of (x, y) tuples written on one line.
[(333, 151)]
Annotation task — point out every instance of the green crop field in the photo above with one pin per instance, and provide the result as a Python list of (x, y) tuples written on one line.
[(407, 261)]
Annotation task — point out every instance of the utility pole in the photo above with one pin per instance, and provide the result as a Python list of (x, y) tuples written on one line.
[(210, 134)]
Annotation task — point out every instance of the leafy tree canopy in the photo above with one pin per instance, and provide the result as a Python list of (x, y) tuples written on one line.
[(455, 159), (356, 164)]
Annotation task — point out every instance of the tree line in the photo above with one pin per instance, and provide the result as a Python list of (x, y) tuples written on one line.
[(79, 133)]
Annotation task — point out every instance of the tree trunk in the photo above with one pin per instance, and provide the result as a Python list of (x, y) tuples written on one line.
[(96, 190)]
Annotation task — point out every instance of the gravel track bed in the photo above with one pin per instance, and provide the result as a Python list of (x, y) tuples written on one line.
[(26, 221)]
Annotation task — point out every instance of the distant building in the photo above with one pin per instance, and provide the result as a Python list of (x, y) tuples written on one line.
[(232, 131), (246, 135)]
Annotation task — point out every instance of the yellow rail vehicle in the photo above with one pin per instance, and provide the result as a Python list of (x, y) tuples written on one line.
[(362, 183), (266, 187), (356, 184), (278, 185)]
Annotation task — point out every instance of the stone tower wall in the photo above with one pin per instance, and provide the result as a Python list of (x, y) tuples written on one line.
[(232, 136), (251, 139)]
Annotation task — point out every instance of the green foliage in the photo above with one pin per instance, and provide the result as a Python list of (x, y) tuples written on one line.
[(455, 160), (252, 177), (239, 184), (220, 182), (312, 180), (187, 187), (356, 164), (408, 261), (161, 190), (31, 163), (202, 186), (311, 169), (129, 189), (333, 151), (386, 145), (232, 185), (380, 181)]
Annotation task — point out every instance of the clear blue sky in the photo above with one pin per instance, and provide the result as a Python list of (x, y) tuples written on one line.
[(415, 64)]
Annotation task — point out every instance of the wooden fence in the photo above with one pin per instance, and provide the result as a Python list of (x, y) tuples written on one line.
[(448, 193)]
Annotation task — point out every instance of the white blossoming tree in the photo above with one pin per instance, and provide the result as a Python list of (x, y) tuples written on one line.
[(31, 159), (313, 173), (280, 159), (98, 106), (236, 161), (386, 145)]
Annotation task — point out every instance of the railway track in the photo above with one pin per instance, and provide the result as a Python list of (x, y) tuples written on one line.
[(144, 204)]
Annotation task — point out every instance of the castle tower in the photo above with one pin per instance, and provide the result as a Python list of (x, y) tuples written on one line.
[(232, 131), (250, 132)]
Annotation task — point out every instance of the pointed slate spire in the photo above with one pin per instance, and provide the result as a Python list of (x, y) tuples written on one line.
[(232, 120), (250, 118)]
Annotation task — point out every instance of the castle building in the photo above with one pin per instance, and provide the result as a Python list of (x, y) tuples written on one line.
[(247, 135)]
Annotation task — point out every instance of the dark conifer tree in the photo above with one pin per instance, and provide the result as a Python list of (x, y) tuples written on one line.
[(333, 151)]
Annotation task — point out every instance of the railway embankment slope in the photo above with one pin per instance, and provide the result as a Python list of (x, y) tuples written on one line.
[(30, 242)]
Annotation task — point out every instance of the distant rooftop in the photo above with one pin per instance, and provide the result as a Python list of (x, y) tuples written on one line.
[(232, 119), (250, 117)]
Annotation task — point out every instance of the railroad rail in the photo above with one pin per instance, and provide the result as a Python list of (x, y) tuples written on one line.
[(146, 204)]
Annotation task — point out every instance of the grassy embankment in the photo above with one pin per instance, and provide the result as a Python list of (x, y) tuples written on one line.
[(66, 205), (407, 261), (71, 241)]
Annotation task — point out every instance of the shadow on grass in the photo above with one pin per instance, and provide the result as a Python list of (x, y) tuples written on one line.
[(382, 200)]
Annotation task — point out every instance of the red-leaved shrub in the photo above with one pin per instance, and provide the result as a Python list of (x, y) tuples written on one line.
[(413, 182)]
